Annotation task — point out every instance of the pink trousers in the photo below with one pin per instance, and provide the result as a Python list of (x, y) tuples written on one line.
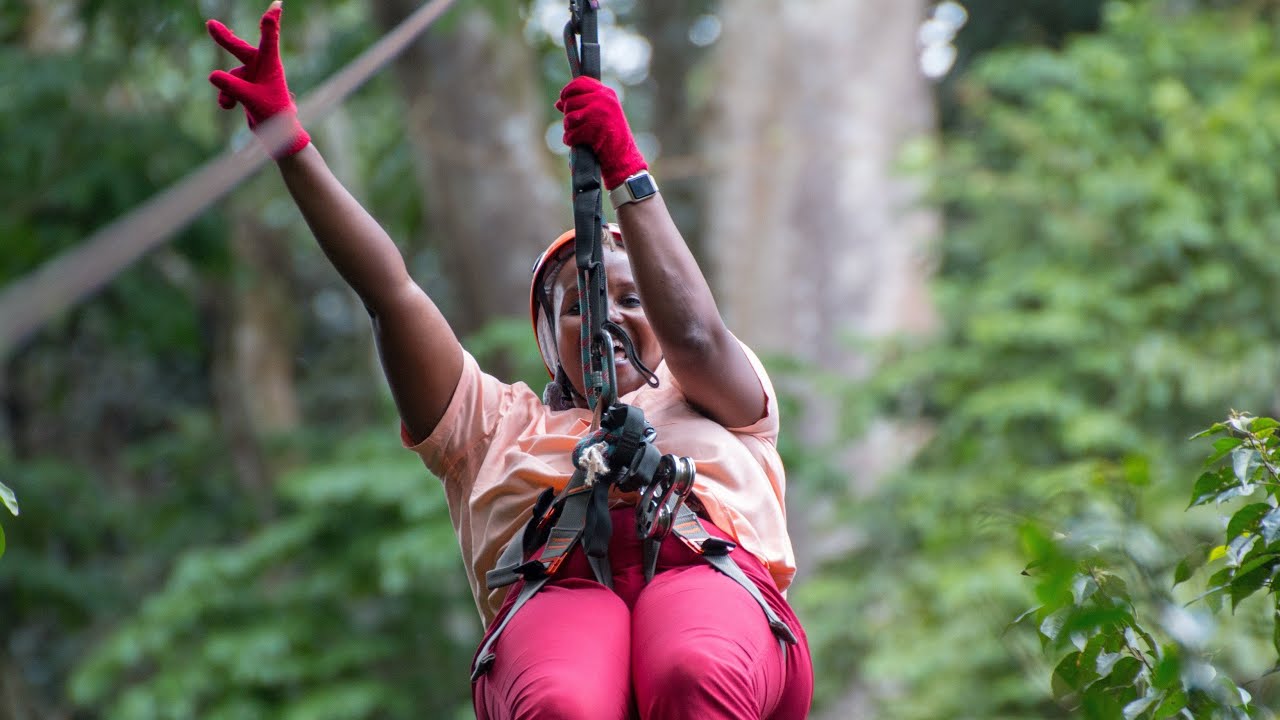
[(690, 644)]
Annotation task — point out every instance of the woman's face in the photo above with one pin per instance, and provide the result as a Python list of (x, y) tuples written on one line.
[(624, 309)]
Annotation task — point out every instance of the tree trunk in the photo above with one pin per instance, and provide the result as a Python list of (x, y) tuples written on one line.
[(815, 237), (476, 120), (263, 336), (676, 108)]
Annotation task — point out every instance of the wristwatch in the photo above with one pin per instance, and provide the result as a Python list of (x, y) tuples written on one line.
[(640, 186)]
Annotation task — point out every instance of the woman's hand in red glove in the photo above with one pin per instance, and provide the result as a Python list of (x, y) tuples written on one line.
[(593, 117), (259, 84)]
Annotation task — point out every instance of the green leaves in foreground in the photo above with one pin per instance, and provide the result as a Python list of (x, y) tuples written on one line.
[(1114, 662), (10, 501)]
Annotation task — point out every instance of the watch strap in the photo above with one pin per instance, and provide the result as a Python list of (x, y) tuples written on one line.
[(636, 188)]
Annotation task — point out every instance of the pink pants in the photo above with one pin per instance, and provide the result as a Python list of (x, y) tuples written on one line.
[(690, 644)]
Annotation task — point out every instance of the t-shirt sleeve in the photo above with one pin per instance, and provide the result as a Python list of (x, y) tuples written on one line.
[(452, 451), (766, 428)]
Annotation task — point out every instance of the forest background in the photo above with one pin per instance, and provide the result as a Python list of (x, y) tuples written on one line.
[(1001, 273)]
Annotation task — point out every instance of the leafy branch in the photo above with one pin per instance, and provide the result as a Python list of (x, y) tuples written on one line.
[(1120, 664)]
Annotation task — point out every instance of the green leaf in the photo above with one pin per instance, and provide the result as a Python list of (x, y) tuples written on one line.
[(1263, 423), (1188, 566), (1, 541), (1222, 447), (1173, 703), (1051, 626), (1238, 548), (1243, 461), (1107, 662), (1168, 669), (1216, 584), (1090, 619), (1137, 707), (1083, 587), (1069, 676), (1124, 673), (1275, 628), (1270, 526), (1250, 581), (10, 500), (1210, 484), (1026, 614), (1246, 519), (1213, 429)]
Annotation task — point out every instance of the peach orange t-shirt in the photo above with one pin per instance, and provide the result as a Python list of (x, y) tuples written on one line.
[(497, 447)]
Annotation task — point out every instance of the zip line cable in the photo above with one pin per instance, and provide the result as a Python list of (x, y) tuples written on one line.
[(68, 279)]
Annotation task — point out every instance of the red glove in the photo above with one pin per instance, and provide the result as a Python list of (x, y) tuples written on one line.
[(259, 84), (593, 117)]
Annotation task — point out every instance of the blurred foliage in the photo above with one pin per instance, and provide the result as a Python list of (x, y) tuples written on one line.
[(1105, 282), (350, 605), (1127, 646)]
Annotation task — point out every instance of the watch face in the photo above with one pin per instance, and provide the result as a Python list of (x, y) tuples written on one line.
[(642, 187)]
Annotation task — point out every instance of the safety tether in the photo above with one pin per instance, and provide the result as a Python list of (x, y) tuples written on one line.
[(581, 42)]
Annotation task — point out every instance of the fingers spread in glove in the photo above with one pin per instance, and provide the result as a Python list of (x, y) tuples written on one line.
[(224, 99), (234, 87), (269, 44), (221, 34)]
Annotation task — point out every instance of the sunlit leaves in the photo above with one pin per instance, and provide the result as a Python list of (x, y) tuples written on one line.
[(8, 498), (11, 502)]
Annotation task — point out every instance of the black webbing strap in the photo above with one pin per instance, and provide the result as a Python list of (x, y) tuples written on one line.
[(582, 45), (485, 655), (689, 529), (572, 507), (564, 535)]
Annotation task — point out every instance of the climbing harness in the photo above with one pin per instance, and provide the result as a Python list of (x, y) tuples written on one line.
[(619, 452)]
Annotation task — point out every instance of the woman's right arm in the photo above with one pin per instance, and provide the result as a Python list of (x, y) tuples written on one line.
[(420, 354)]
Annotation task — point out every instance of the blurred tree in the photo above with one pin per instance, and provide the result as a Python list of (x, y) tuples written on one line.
[(351, 605), (817, 237), (678, 92), (475, 117), (1104, 280)]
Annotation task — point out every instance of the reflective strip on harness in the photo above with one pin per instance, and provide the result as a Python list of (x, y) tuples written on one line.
[(716, 551)]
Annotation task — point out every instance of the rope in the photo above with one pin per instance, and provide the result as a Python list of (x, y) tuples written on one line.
[(30, 302), (593, 463)]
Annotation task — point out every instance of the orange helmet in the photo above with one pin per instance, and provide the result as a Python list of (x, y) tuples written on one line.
[(549, 264)]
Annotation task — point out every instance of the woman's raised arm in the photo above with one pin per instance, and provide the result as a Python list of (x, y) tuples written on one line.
[(714, 371), (421, 356)]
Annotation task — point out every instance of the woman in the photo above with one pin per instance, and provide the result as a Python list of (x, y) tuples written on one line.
[(689, 643)]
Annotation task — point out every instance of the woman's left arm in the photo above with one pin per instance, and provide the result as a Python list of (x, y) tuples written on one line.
[(713, 370), (711, 366)]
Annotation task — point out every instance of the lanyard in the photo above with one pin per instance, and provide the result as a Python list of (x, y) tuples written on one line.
[(581, 42)]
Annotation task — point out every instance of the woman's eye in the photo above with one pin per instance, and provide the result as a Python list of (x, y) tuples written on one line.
[(573, 308), (630, 301)]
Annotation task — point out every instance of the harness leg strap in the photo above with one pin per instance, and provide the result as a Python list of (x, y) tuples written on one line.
[(689, 529), (485, 656)]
